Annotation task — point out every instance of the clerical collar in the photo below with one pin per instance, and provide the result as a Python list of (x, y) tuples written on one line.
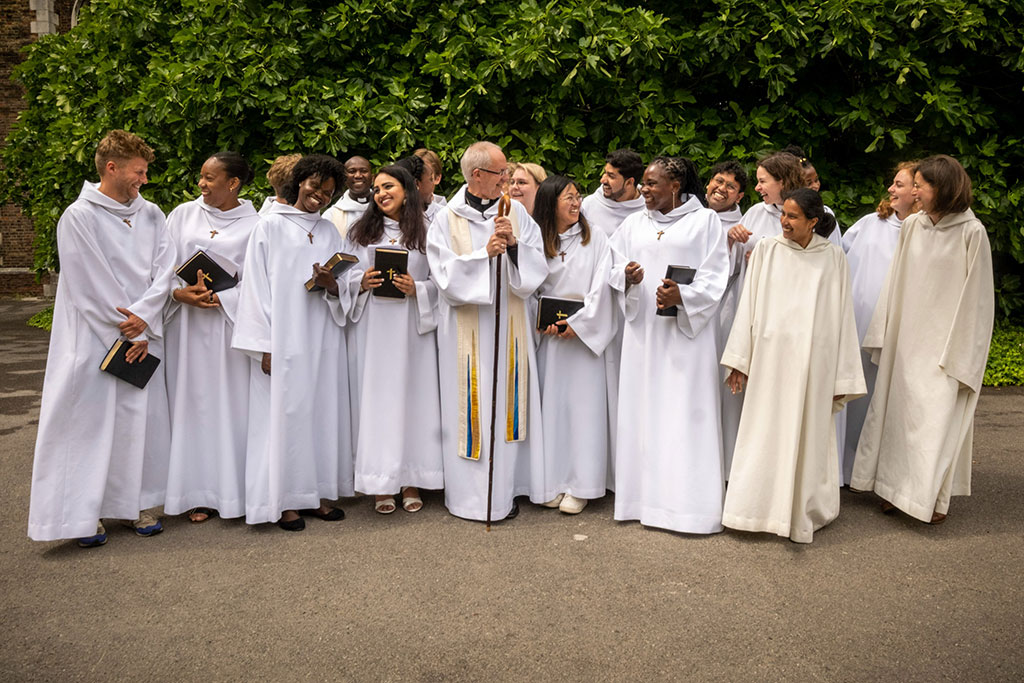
[(479, 204), (361, 200)]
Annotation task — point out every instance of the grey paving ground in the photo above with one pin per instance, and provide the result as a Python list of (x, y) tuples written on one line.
[(428, 597)]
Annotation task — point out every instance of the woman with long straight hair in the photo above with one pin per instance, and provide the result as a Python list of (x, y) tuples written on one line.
[(668, 470), (929, 336), (397, 405), (570, 353)]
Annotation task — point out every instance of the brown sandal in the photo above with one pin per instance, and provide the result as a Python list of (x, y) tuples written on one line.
[(198, 515)]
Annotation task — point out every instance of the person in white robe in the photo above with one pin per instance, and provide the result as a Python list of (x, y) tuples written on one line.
[(570, 353), (207, 380), (669, 468), (394, 341), (101, 448), (795, 338), (423, 174), (299, 443), (465, 242), (929, 337), (726, 187), (524, 178), (869, 245), (617, 197), (437, 172), (351, 206), (278, 176), (777, 174)]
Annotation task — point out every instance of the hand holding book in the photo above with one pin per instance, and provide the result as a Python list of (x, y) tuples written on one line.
[(198, 294), (324, 279)]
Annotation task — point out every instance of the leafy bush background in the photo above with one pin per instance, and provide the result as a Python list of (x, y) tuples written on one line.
[(860, 84)]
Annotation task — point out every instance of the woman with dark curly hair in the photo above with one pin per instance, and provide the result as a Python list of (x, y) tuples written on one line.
[(397, 448), (929, 337), (300, 436), (668, 471)]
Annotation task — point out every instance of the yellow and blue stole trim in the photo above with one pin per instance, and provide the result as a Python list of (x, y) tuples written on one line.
[(467, 320)]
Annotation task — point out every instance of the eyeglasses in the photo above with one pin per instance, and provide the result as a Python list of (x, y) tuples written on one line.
[(503, 172), (571, 199)]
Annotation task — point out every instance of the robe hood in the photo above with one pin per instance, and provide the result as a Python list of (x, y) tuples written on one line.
[(732, 216), (620, 209), (950, 220), (295, 214), (245, 208), (91, 193), (689, 205), (817, 243)]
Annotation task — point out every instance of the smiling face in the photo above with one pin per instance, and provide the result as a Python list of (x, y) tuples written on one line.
[(901, 193), (425, 185), (795, 225), (723, 192), (389, 195), (660, 193), (924, 192), (613, 185), (315, 193), (489, 182), (217, 188), (811, 178), (357, 176), (523, 187), (768, 187), (122, 178), (567, 212)]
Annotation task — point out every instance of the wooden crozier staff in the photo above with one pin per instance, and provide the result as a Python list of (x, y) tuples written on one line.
[(504, 206)]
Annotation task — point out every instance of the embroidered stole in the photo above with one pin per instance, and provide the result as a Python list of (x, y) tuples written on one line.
[(467, 320)]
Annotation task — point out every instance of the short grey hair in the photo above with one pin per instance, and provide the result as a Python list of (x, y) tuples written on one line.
[(477, 155)]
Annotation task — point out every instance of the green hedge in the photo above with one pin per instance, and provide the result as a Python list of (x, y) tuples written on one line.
[(860, 84)]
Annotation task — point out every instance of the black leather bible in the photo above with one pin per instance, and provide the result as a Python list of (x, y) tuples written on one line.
[(682, 275), (217, 279), (390, 262), (338, 264), (137, 373), (552, 309)]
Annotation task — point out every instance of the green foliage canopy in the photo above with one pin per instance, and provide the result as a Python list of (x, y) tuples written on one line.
[(859, 84)]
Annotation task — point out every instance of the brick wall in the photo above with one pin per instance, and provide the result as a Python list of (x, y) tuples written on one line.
[(16, 232)]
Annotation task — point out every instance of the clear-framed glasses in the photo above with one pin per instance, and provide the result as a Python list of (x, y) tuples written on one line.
[(571, 199)]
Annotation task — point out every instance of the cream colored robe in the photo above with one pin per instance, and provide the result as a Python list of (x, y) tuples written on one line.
[(929, 337), (795, 338)]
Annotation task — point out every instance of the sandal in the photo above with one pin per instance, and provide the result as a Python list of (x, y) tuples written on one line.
[(411, 503), (937, 518), (198, 515), (384, 506)]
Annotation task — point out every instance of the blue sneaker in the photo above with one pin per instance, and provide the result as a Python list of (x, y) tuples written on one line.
[(94, 541), (147, 525)]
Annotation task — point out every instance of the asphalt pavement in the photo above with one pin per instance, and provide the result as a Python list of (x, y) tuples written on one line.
[(544, 597)]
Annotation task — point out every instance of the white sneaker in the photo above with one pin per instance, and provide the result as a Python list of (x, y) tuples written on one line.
[(571, 505), (553, 503)]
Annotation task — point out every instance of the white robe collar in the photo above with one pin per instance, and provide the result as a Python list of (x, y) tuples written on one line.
[(294, 214), (731, 216), (817, 243), (950, 220), (349, 204), (91, 193), (689, 205), (623, 208), (244, 208)]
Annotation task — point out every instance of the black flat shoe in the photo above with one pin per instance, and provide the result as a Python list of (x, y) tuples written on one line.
[(334, 515), (513, 513), (295, 525)]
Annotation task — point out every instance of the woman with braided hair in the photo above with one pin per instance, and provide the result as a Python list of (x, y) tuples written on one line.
[(669, 444)]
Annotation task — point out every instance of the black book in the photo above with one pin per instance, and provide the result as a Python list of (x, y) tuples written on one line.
[(217, 279), (552, 309), (338, 264), (137, 373), (682, 275), (391, 263)]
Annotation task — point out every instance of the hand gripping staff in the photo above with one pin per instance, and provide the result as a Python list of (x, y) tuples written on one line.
[(504, 206)]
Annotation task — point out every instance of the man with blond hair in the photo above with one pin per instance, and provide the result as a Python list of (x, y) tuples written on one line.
[(101, 449)]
